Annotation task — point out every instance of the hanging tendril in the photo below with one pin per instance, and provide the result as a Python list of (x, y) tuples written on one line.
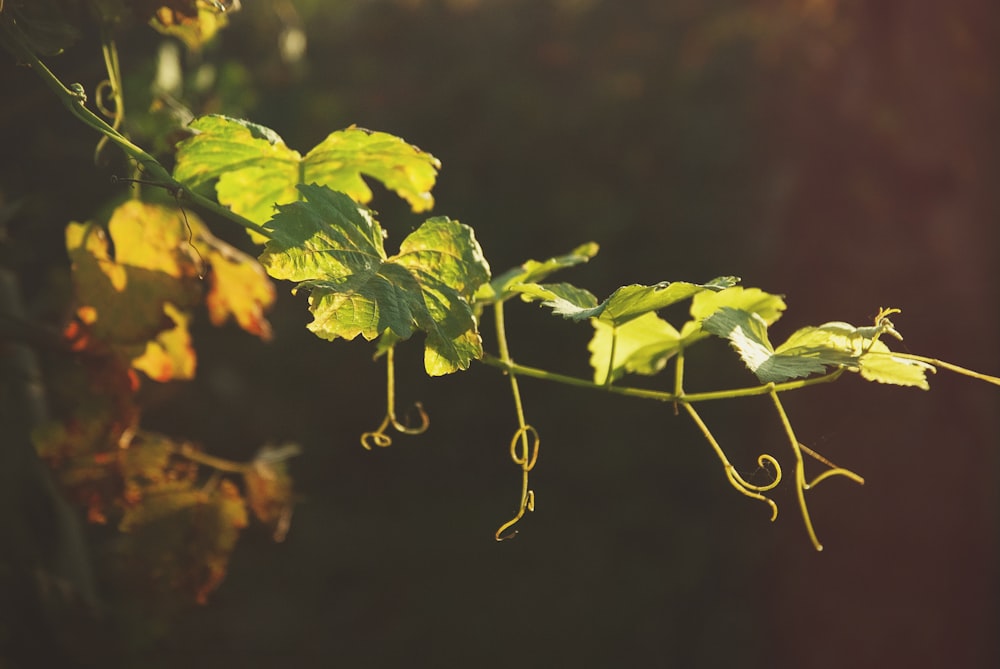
[(524, 452), (801, 485), (379, 436), (741, 485), (526, 437), (109, 91)]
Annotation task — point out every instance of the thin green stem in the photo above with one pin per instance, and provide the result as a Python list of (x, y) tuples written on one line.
[(801, 485), (74, 99), (741, 485), (378, 436), (679, 373), (608, 378), (947, 365), (659, 395), (524, 444)]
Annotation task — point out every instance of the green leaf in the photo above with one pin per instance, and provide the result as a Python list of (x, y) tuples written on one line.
[(812, 350), (884, 367), (747, 333), (641, 346), (645, 344), (564, 299), (533, 271), (334, 248), (630, 302), (253, 170), (769, 307)]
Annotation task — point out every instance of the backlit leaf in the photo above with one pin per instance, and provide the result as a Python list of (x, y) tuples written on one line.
[(253, 170), (641, 346), (533, 271), (135, 302), (564, 299), (238, 286), (644, 345), (334, 248), (120, 304), (812, 350), (884, 367), (170, 356), (747, 333), (634, 300)]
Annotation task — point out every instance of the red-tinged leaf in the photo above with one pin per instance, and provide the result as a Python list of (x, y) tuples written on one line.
[(170, 355), (119, 306), (179, 538), (239, 286)]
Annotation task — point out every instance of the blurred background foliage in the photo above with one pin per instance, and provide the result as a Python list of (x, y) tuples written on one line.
[(841, 152)]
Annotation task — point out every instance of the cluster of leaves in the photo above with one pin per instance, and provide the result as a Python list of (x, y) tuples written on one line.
[(137, 280), (309, 214)]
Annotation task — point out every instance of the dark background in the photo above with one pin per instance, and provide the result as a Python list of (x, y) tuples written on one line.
[(841, 153)]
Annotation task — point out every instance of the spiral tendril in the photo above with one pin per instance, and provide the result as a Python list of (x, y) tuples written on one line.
[(379, 436), (524, 452)]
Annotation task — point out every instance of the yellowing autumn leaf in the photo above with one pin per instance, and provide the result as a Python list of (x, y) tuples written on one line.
[(238, 286), (136, 300)]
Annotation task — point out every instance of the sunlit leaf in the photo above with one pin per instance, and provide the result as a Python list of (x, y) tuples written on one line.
[(533, 271), (644, 345), (170, 356), (641, 346), (884, 367), (253, 170), (239, 286), (747, 333), (135, 302), (634, 300), (119, 304), (564, 299), (334, 248), (812, 350)]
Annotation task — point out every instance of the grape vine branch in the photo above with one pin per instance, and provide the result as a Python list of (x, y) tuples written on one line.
[(308, 213)]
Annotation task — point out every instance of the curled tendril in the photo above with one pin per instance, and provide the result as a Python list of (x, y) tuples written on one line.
[(104, 93), (741, 485), (379, 437), (524, 452), (764, 460), (798, 448)]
